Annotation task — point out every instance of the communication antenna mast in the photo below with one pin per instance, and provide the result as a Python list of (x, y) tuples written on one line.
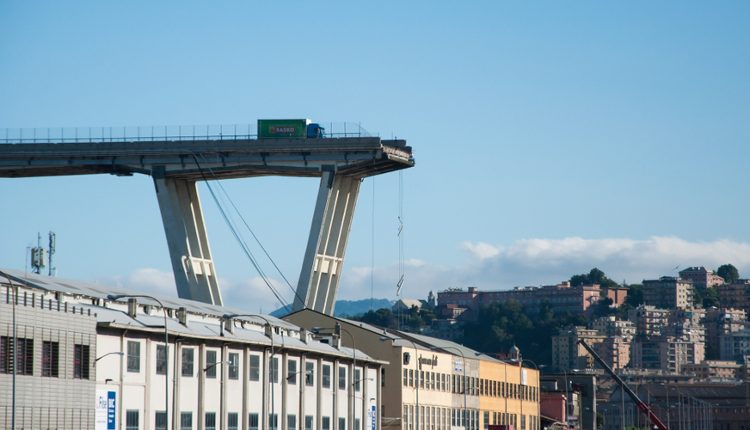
[(37, 256), (52, 269)]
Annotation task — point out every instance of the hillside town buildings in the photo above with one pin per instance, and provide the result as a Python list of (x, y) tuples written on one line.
[(561, 298)]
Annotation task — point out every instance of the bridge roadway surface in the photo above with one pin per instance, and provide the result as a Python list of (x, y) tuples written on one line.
[(208, 159)]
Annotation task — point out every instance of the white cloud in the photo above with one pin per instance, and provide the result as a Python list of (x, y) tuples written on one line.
[(488, 267), (546, 261), (481, 250), (146, 280)]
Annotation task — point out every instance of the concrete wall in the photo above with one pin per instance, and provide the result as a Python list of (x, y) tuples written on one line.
[(60, 401)]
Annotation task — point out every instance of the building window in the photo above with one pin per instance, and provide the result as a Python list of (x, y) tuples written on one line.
[(342, 423), (81, 361), (24, 356), (273, 421), (309, 373), (131, 419), (210, 420), (161, 359), (274, 370), (234, 369), (233, 421), (254, 368), (291, 372), (308, 422), (342, 378), (253, 421), (5, 361), (134, 356), (358, 425), (357, 379), (326, 376), (326, 423), (160, 420), (50, 358), (187, 361), (291, 422), (186, 421), (210, 364)]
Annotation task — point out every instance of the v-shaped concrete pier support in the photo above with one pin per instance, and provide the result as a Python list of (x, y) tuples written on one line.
[(324, 257)]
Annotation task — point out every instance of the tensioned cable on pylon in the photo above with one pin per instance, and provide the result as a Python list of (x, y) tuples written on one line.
[(400, 283), (252, 233), (372, 248), (242, 244)]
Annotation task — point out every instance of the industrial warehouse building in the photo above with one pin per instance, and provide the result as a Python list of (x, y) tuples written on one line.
[(434, 384), (85, 360)]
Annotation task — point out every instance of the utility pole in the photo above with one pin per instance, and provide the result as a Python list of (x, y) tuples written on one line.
[(52, 269)]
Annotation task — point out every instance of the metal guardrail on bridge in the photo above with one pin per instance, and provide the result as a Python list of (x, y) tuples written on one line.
[(174, 133)]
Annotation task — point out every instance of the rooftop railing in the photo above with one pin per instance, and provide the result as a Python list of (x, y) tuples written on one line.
[(165, 133)]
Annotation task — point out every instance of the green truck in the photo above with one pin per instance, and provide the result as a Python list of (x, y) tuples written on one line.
[(289, 129)]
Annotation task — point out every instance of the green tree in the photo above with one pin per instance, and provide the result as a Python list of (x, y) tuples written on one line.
[(729, 273), (635, 295), (595, 276)]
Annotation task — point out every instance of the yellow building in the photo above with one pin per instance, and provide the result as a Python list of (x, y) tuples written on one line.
[(508, 395), (434, 384)]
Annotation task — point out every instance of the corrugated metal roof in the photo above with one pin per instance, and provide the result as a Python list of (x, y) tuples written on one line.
[(80, 288), (448, 346), (404, 339), (118, 318)]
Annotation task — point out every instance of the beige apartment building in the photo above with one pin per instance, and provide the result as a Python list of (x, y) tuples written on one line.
[(668, 292), (720, 322), (735, 295), (713, 370), (568, 354), (434, 384), (649, 320)]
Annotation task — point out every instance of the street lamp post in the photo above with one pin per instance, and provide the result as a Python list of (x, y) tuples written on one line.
[(463, 359), (115, 297), (416, 376), (120, 353), (228, 318)]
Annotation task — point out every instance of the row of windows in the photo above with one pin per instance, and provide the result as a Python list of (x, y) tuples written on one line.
[(50, 365), (471, 386), (188, 361), (132, 421), (436, 418)]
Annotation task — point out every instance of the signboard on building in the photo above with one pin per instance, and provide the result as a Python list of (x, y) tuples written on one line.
[(372, 414), (105, 412)]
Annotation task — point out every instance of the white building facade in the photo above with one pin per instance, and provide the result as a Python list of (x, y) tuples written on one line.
[(220, 371)]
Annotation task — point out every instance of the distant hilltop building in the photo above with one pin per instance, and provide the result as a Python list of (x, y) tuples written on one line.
[(668, 292), (701, 277), (562, 298), (735, 295), (406, 304)]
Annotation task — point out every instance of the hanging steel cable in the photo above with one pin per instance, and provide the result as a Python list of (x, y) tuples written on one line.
[(245, 248)]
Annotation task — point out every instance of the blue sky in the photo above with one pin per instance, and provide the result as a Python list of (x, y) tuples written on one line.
[(549, 137)]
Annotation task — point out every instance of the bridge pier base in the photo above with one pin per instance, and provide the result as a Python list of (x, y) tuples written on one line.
[(324, 256), (189, 251)]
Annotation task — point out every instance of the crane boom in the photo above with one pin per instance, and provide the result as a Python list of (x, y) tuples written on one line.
[(642, 406)]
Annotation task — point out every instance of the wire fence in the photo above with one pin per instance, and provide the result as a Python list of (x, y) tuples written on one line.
[(164, 133)]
